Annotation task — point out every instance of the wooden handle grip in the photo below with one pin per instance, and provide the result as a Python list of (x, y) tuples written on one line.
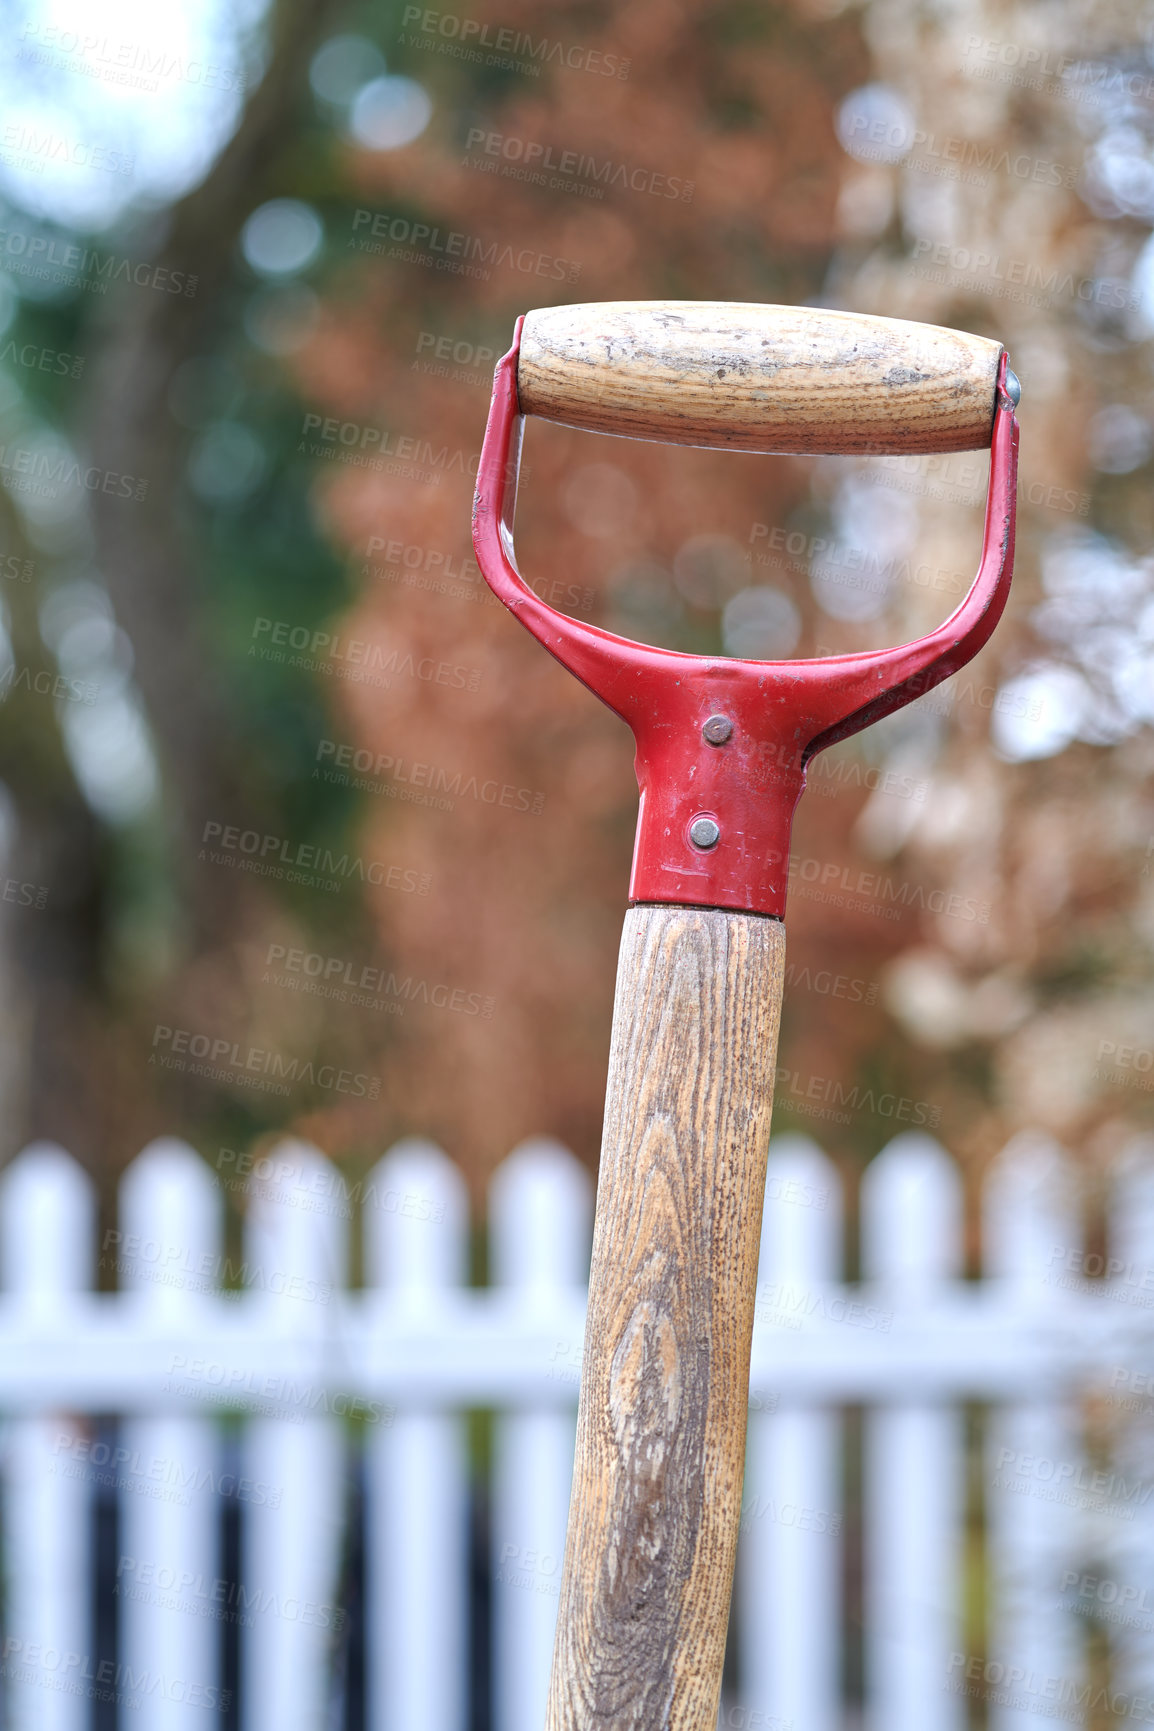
[(747, 377), (657, 1480)]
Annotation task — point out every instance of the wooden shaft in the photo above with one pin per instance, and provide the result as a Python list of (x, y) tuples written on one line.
[(749, 377), (657, 1480)]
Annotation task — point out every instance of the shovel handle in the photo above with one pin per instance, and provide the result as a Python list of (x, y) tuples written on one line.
[(657, 1481), (750, 377)]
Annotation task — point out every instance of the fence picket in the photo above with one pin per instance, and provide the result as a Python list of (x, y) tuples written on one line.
[(540, 1211), (1031, 1229), (1122, 1596), (416, 1251), (47, 1230), (168, 1255), (913, 1494), (789, 1558), (295, 1254), (1070, 1543)]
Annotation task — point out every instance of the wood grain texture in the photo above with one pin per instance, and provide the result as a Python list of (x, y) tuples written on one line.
[(748, 377), (661, 1425)]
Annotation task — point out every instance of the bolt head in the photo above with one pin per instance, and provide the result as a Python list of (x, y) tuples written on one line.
[(704, 833), (1012, 385), (717, 730)]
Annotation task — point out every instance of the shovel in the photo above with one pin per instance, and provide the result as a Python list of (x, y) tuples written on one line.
[(722, 750)]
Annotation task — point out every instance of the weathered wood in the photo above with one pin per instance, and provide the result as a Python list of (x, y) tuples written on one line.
[(748, 377), (661, 1425)]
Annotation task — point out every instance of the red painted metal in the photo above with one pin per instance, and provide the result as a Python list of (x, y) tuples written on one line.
[(783, 712)]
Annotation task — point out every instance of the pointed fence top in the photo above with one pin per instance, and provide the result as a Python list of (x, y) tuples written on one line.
[(911, 1213), (540, 1217), (415, 1220), (47, 1224)]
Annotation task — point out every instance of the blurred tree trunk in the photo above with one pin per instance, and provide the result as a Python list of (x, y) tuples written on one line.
[(141, 342), (52, 914), (64, 1069)]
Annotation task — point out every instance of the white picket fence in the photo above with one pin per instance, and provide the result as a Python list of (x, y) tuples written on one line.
[(1065, 1363)]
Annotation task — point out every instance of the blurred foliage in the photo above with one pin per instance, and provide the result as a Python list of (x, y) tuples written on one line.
[(491, 980)]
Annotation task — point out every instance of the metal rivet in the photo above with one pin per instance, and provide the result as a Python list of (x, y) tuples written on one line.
[(1012, 385), (717, 730), (704, 833)]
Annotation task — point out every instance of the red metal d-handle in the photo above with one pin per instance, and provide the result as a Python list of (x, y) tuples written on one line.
[(715, 816)]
